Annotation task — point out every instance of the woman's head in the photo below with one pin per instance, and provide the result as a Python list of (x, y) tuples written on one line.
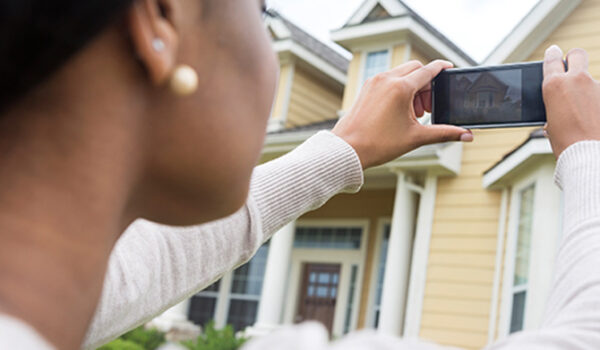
[(196, 152)]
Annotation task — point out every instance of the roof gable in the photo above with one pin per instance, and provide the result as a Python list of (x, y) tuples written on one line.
[(283, 29), (533, 29), (392, 17), (371, 10), (376, 14)]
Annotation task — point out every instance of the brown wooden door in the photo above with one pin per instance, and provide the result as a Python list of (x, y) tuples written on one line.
[(319, 293)]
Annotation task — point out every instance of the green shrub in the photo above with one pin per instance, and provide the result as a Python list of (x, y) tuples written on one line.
[(214, 339), (137, 339), (149, 339), (120, 344)]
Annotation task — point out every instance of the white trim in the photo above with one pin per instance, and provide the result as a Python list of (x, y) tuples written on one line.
[(393, 7), (306, 55), (408, 53), (222, 306), (539, 23), (396, 279), (545, 232), (345, 257), (509, 257), (288, 95), (274, 125), (351, 36), (280, 30), (445, 159), (420, 258), (370, 317), (362, 12), (415, 188), (498, 266), (503, 171), (545, 237), (277, 122)]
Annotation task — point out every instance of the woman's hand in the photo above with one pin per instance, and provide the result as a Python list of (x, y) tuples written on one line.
[(572, 99), (382, 125)]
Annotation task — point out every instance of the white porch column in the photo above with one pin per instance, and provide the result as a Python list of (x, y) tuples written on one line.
[(420, 258), (395, 280), (272, 298)]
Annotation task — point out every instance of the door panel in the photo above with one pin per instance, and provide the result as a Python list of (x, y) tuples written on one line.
[(318, 296)]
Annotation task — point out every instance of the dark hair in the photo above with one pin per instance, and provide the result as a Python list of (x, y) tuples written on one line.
[(38, 36)]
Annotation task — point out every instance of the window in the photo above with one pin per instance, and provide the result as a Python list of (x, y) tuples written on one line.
[(328, 237), (485, 99), (521, 271), (380, 273), (246, 287), (239, 290), (203, 304), (376, 63)]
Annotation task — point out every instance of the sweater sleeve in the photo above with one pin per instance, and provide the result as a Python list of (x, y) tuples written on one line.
[(154, 267), (572, 317)]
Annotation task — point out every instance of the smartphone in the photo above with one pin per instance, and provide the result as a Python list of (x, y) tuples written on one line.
[(507, 95)]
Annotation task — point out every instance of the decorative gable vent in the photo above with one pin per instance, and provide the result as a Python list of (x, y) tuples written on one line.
[(376, 14)]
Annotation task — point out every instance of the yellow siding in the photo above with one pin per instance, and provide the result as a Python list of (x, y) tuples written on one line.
[(282, 87), (580, 29), (311, 100), (352, 87), (460, 338), (372, 205), (398, 55), (460, 271), (416, 54)]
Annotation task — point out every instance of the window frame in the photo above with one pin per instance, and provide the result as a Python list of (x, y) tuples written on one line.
[(524, 287), (363, 63), (545, 235)]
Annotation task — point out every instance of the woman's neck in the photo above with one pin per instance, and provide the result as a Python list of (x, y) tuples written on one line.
[(65, 186)]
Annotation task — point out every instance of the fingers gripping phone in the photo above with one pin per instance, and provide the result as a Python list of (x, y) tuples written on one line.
[(489, 97)]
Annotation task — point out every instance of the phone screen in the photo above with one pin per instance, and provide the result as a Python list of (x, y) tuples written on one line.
[(490, 96)]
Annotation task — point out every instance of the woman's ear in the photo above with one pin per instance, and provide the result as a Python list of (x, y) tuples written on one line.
[(154, 36)]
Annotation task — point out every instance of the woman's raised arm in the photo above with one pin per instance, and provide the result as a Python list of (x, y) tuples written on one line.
[(154, 267)]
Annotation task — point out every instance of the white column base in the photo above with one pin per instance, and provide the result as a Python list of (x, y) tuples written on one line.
[(260, 330)]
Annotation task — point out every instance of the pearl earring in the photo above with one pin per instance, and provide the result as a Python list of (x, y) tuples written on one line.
[(184, 80), (158, 45)]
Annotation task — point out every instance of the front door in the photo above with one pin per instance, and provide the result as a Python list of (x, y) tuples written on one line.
[(319, 293)]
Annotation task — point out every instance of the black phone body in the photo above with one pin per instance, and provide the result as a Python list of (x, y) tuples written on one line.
[(507, 95)]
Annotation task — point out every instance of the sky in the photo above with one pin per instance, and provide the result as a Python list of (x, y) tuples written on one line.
[(476, 26)]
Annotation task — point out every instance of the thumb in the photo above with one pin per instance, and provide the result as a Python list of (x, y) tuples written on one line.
[(443, 133)]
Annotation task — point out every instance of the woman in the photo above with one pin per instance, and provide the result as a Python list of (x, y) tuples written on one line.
[(114, 110)]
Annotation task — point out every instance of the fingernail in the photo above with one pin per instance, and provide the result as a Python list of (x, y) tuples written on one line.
[(553, 47), (467, 137)]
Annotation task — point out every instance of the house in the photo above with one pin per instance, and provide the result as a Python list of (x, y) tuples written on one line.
[(452, 243)]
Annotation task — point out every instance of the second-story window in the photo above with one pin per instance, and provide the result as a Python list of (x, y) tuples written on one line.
[(376, 62)]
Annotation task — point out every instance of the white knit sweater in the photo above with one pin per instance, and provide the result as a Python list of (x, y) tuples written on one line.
[(153, 267)]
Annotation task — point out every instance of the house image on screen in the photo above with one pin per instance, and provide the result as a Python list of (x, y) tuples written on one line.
[(452, 243), (483, 96), (485, 93)]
